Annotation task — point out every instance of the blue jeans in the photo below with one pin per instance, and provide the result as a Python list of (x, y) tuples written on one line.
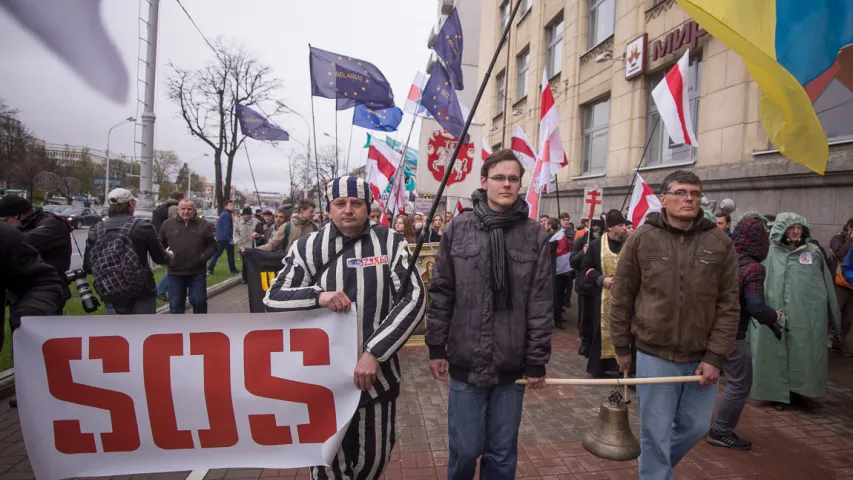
[(227, 247), (673, 416), (142, 306), (178, 287), (163, 286), (483, 421)]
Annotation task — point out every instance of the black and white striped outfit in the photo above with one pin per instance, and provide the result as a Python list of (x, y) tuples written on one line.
[(369, 272)]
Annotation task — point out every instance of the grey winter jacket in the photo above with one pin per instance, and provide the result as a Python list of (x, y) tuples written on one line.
[(485, 347)]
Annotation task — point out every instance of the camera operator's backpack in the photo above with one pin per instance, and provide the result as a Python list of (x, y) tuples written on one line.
[(118, 271)]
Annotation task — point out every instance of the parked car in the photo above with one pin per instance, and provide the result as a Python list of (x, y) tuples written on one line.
[(210, 218), (80, 216)]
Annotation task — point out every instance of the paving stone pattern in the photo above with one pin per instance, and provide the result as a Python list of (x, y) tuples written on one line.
[(792, 444)]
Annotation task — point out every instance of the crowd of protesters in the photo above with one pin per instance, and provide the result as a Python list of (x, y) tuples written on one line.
[(757, 301)]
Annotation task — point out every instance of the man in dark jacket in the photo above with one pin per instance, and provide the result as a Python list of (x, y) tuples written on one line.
[(583, 290), (48, 233), (597, 269), (224, 239), (144, 238), (492, 288), (752, 244), (39, 290), (676, 290), (190, 238)]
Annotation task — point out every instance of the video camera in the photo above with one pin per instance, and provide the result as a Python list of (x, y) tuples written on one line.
[(87, 297)]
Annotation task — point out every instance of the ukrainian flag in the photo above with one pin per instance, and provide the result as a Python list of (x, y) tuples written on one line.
[(786, 45)]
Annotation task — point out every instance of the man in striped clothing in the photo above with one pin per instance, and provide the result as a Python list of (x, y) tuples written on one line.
[(353, 259)]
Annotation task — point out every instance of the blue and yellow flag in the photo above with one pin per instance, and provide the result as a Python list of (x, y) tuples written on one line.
[(386, 119), (786, 46), (351, 81)]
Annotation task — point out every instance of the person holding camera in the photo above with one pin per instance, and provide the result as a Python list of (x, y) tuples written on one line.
[(117, 251), (45, 231)]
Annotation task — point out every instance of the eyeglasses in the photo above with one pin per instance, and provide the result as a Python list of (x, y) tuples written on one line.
[(684, 194), (503, 178)]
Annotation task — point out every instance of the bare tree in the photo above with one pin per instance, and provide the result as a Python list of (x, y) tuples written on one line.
[(166, 165), (208, 98)]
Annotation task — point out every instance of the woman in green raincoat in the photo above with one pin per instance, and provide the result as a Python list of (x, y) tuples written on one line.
[(799, 284)]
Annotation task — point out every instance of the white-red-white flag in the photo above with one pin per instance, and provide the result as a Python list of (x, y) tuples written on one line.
[(459, 207), (643, 202), (523, 149), (534, 192), (670, 96), (486, 151), (550, 143), (397, 197), (382, 162)]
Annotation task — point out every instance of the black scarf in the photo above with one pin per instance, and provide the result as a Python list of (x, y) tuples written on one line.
[(495, 223)]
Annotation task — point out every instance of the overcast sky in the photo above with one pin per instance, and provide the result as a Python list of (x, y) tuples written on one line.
[(60, 108)]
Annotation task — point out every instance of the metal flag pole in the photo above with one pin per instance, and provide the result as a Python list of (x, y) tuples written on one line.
[(636, 170), (557, 188), (349, 147), (404, 284), (408, 138), (336, 140), (252, 172), (316, 153)]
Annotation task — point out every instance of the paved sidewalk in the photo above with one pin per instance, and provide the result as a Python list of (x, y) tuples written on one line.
[(813, 445)]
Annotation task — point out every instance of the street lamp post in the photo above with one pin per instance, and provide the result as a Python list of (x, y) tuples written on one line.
[(308, 142), (107, 160), (189, 173)]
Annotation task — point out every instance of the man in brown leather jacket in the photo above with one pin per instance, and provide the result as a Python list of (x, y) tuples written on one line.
[(676, 291)]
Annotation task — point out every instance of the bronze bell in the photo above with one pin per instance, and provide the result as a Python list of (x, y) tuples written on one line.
[(611, 437)]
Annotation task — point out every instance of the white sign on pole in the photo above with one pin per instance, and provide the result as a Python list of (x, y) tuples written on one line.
[(434, 150), (103, 395)]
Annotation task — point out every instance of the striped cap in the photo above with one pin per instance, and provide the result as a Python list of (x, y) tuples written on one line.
[(354, 187)]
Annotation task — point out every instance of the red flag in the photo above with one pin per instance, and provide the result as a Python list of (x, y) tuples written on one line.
[(643, 202), (670, 96)]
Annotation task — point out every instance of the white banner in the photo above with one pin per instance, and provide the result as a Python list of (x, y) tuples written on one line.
[(116, 395), (434, 151)]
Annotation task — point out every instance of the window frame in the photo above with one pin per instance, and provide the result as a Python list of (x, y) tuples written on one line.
[(674, 154), (504, 11), (500, 87), (553, 44), (592, 17), (523, 74), (588, 132)]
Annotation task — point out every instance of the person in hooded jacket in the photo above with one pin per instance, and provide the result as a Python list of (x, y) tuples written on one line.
[(799, 285), (751, 243), (584, 291)]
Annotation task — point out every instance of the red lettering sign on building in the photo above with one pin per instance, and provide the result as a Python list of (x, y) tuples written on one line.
[(689, 34)]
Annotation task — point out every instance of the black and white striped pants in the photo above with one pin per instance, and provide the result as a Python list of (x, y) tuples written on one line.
[(366, 447)]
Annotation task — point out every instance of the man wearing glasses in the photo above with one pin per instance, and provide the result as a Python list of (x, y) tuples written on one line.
[(492, 287), (677, 281)]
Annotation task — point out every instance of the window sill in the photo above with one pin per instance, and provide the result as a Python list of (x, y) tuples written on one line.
[(497, 116), (588, 176), (667, 165), (599, 44), (770, 151), (519, 102)]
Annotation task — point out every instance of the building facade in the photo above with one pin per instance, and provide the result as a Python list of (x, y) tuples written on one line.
[(67, 155), (602, 88)]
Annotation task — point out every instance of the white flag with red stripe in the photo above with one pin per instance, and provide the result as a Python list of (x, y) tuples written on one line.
[(523, 149), (397, 197), (550, 143), (670, 96), (643, 202), (382, 162), (534, 192), (459, 207), (486, 151)]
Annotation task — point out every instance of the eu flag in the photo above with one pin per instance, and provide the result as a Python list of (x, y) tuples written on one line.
[(254, 125), (386, 119), (440, 100), (448, 46), (349, 80)]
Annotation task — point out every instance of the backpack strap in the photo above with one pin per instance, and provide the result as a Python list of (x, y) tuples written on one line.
[(127, 227)]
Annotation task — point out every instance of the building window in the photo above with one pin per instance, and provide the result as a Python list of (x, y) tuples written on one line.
[(662, 150), (596, 123), (554, 60), (497, 147), (526, 5), (602, 18), (522, 62), (500, 83), (506, 9)]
